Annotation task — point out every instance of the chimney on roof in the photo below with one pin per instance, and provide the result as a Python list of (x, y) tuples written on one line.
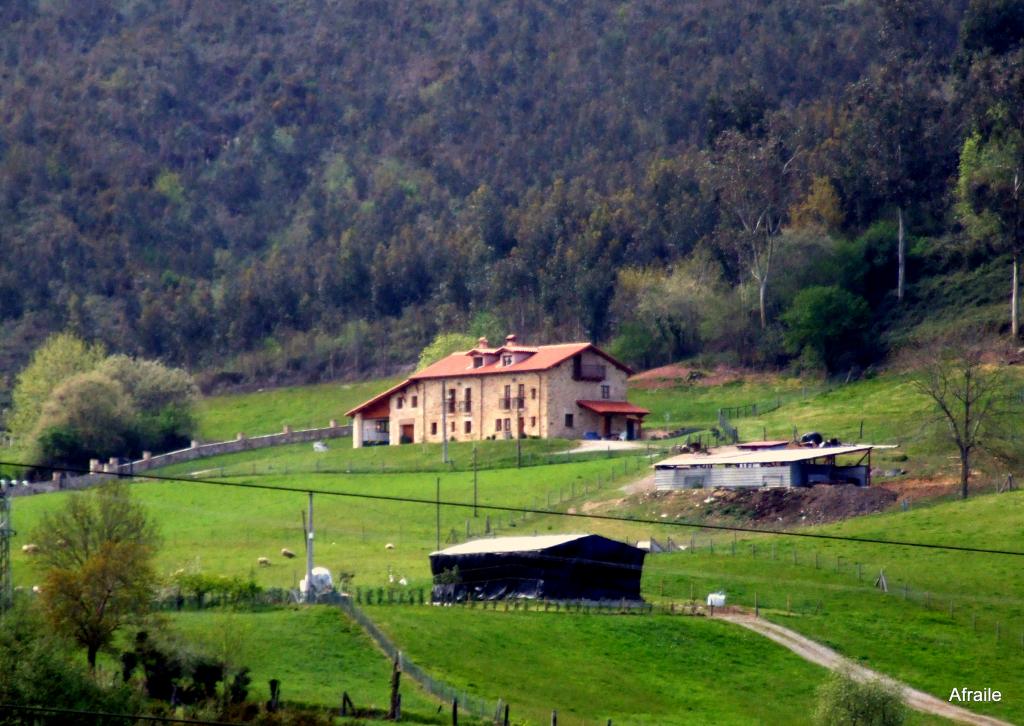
[(510, 339), (481, 342)]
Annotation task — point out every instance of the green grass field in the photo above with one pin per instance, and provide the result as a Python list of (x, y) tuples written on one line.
[(268, 411), (223, 530), (696, 405), (341, 458), (632, 669), (316, 653)]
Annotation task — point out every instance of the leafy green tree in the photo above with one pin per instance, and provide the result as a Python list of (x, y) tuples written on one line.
[(96, 557), (163, 400), (88, 414), (990, 203), (59, 358), (829, 321), (444, 344), (39, 668), (843, 701), (894, 136)]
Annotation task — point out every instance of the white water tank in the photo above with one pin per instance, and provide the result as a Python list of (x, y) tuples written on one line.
[(322, 581), (716, 599)]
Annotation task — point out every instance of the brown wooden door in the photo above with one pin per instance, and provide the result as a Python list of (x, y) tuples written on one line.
[(522, 426), (407, 433)]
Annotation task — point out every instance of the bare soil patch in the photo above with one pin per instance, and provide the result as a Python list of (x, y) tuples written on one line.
[(676, 374), (812, 505)]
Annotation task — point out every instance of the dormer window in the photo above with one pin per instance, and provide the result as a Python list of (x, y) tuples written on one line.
[(478, 361), (506, 360)]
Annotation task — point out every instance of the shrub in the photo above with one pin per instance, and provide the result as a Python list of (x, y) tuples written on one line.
[(842, 701), (828, 320)]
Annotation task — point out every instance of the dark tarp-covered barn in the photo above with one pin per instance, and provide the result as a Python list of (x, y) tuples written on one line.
[(553, 567)]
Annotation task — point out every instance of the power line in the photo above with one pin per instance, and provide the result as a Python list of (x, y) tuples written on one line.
[(528, 510)]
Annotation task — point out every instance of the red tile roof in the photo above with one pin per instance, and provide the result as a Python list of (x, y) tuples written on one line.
[(613, 407), (372, 407), (457, 365)]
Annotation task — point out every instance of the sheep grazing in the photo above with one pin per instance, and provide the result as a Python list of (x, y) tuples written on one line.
[(389, 546), (36, 589), (285, 552), (30, 549), (263, 561)]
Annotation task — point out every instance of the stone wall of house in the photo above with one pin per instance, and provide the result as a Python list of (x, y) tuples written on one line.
[(241, 442), (564, 392)]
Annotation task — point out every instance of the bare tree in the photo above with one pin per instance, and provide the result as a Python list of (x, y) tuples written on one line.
[(755, 184), (971, 397)]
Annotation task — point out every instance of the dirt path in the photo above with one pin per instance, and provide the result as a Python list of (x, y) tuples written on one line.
[(823, 656), (587, 445)]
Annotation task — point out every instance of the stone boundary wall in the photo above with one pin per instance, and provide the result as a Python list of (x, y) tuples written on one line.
[(196, 451)]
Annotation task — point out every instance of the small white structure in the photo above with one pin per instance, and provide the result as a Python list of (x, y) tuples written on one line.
[(319, 447), (322, 582), (716, 599)]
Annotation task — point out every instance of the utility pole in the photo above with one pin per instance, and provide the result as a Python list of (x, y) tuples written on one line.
[(309, 554), (444, 422), (475, 513), (438, 500), (6, 584)]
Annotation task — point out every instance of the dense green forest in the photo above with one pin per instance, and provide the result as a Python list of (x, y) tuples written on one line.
[(313, 188)]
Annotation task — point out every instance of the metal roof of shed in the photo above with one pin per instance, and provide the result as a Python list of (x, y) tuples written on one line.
[(776, 456), (509, 544)]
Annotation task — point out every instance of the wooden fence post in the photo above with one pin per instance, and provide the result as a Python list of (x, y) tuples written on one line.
[(554, 718), (455, 712)]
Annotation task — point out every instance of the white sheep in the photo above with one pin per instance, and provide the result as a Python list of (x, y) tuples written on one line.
[(285, 552), (389, 546), (263, 561), (36, 589), (30, 549)]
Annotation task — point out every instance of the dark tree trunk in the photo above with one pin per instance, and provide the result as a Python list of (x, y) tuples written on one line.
[(901, 254), (965, 472), (91, 656)]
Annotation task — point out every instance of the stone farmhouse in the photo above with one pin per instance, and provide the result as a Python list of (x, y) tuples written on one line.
[(569, 390)]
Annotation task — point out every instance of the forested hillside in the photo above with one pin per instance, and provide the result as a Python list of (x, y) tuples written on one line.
[(311, 188)]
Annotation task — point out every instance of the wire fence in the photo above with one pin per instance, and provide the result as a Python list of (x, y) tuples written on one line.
[(975, 615), (464, 464), (481, 707)]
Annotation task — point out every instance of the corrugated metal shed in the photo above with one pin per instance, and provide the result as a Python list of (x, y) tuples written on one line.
[(509, 544), (761, 458)]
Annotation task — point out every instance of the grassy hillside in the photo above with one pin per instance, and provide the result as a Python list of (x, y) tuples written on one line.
[(224, 530), (632, 669), (316, 653), (267, 412), (341, 458)]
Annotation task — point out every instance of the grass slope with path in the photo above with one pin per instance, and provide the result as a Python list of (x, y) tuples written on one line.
[(316, 653), (632, 669)]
